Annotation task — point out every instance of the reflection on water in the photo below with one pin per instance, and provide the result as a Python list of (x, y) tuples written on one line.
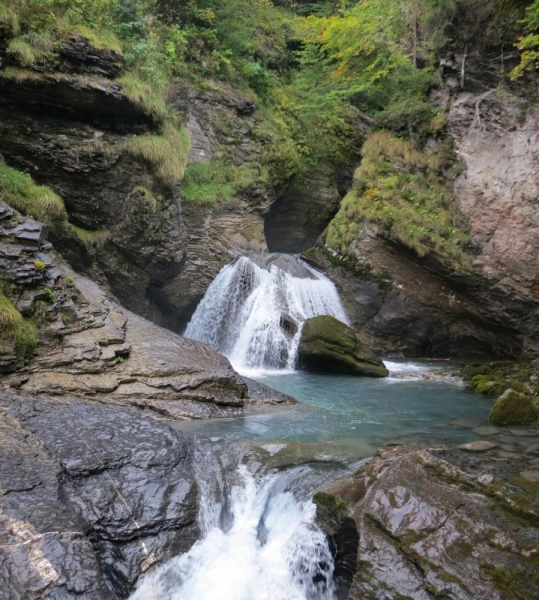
[(358, 414)]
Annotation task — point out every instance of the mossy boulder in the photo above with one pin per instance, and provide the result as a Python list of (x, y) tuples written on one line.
[(327, 344), (513, 408)]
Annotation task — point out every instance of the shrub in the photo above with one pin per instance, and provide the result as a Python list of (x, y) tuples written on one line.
[(39, 266), (208, 183), (36, 201)]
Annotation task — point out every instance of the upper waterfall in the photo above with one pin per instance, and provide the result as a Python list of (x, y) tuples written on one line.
[(254, 310)]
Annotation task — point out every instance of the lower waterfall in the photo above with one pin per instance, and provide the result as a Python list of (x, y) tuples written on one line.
[(268, 548), (255, 308)]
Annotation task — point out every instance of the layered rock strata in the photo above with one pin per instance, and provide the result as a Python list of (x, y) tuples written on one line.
[(91, 346)]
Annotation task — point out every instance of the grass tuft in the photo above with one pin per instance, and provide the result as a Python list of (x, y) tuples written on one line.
[(144, 96), (167, 152), (92, 239), (9, 18), (26, 340), (35, 201), (10, 318), (26, 49)]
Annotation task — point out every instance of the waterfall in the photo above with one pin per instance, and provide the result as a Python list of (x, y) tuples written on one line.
[(255, 308), (270, 549)]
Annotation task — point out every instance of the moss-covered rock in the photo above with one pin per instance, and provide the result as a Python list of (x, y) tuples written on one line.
[(327, 344), (513, 408)]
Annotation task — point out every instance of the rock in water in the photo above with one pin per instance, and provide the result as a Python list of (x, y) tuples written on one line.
[(328, 345), (513, 408)]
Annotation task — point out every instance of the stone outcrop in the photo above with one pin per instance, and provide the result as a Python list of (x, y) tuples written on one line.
[(327, 344), (91, 496), (91, 346), (438, 523)]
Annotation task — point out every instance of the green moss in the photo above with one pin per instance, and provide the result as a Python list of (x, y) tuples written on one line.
[(518, 584), (531, 487), (26, 340), (166, 152), (32, 200), (513, 408), (407, 194), (329, 345)]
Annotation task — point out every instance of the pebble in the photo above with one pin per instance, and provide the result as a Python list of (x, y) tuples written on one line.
[(486, 430), (525, 432), (479, 446), (471, 423), (485, 479)]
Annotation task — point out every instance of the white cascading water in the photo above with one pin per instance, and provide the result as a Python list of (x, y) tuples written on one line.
[(271, 550), (253, 313)]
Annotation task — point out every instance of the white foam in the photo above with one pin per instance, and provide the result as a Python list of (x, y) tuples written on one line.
[(272, 551)]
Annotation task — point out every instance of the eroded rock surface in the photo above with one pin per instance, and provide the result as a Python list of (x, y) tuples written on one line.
[(435, 523), (91, 496)]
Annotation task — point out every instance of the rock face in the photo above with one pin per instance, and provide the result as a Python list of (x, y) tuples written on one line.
[(90, 346), (326, 344), (513, 408), (91, 496), (418, 307), (436, 523)]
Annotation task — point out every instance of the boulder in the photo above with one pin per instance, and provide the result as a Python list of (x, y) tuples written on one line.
[(91, 497), (513, 408), (327, 344), (434, 523)]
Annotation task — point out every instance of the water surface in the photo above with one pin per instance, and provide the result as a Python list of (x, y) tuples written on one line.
[(360, 414)]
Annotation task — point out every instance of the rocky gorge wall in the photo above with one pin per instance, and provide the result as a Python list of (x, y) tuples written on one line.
[(157, 249)]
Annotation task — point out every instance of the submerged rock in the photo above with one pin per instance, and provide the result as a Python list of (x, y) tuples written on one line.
[(513, 408), (438, 523), (328, 345)]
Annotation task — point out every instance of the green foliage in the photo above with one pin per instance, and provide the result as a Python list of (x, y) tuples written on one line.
[(39, 266), (218, 182), (166, 152), (529, 44), (32, 200), (407, 194), (26, 340)]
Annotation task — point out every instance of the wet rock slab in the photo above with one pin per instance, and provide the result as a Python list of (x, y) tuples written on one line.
[(91, 496), (439, 523)]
